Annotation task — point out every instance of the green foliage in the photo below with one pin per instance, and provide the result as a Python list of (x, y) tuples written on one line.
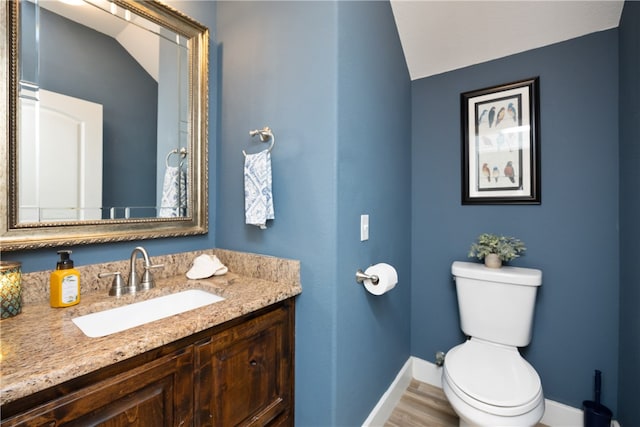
[(507, 248)]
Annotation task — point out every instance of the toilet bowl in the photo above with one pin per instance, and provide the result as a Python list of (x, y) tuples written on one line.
[(486, 380), (491, 385)]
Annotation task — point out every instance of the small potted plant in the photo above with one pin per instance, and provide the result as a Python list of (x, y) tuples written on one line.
[(494, 249)]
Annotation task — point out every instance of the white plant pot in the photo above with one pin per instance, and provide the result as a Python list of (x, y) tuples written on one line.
[(492, 261)]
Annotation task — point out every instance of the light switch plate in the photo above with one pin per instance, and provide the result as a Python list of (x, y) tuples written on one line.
[(364, 227)]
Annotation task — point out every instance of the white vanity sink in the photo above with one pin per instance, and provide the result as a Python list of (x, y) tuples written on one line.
[(118, 319)]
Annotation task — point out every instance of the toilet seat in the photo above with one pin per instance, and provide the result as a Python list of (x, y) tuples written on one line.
[(493, 378)]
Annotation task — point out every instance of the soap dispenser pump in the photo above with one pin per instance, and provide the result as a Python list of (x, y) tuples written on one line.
[(64, 282)]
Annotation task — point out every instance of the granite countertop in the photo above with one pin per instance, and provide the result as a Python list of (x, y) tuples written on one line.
[(42, 347)]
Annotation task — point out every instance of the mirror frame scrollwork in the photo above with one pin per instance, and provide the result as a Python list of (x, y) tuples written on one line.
[(19, 236)]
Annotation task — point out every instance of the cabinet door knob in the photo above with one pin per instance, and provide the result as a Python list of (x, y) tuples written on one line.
[(253, 362)]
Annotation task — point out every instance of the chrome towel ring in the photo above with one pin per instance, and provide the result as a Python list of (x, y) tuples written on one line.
[(182, 152), (265, 135)]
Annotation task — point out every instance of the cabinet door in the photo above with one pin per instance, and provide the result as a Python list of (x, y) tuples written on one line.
[(158, 393), (244, 374)]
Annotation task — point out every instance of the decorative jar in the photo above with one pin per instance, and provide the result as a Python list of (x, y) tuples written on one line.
[(10, 288)]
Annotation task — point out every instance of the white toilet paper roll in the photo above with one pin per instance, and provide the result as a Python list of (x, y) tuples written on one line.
[(387, 278)]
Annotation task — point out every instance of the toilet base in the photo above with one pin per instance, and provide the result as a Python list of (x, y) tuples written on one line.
[(463, 423), (466, 424), (473, 417)]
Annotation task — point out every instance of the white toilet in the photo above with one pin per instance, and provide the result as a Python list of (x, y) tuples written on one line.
[(486, 380)]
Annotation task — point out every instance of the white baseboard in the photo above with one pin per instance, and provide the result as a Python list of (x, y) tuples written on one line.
[(426, 372), (555, 415), (383, 409)]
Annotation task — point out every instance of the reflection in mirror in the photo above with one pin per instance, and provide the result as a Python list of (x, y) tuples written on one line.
[(107, 122), (108, 92)]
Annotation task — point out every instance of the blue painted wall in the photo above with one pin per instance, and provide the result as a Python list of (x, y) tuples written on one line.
[(278, 68), (307, 70), (374, 162), (629, 353), (572, 236)]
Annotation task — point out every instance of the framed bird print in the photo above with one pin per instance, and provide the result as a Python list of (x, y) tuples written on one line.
[(500, 144)]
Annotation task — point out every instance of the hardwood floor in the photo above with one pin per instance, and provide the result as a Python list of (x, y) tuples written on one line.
[(424, 405)]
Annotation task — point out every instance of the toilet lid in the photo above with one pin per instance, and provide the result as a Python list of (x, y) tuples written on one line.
[(493, 374)]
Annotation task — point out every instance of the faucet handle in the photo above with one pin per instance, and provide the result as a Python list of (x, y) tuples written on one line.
[(118, 287), (147, 282), (147, 267)]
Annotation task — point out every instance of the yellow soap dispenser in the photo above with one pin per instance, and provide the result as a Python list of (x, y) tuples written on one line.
[(64, 282)]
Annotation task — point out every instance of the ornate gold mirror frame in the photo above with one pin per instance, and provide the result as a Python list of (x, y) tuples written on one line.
[(15, 235)]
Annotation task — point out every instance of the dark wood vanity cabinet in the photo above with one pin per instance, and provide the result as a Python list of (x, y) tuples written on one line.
[(157, 393), (243, 375), (236, 374)]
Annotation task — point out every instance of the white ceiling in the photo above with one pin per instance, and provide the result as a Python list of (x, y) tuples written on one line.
[(444, 35), (440, 36)]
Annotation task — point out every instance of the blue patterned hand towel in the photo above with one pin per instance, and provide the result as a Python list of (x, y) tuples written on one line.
[(258, 197), (174, 193)]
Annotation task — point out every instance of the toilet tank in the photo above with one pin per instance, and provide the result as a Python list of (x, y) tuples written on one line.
[(496, 304)]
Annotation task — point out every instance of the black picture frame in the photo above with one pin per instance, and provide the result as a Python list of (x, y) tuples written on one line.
[(501, 144)]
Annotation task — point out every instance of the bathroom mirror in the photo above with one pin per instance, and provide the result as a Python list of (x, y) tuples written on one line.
[(106, 122)]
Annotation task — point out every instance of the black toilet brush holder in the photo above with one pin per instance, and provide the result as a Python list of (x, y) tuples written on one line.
[(596, 414)]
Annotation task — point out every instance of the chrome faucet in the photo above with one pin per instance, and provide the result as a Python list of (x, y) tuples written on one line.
[(145, 281), (136, 284)]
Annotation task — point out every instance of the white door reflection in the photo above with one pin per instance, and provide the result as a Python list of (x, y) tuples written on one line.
[(60, 159)]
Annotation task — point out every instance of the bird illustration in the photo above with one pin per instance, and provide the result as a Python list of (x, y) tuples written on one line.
[(486, 172), (492, 114), (481, 116), (512, 111), (501, 114), (495, 172), (509, 172)]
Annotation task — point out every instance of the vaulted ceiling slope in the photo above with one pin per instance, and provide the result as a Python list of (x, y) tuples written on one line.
[(440, 36)]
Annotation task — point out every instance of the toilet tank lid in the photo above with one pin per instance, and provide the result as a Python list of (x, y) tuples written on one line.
[(514, 275)]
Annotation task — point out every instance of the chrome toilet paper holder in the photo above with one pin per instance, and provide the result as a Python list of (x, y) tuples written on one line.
[(361, 277)]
